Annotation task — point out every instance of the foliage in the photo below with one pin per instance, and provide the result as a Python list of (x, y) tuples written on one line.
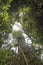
[(32, 19), (17, 34), (32, 22), (6, 57), (5, 20)]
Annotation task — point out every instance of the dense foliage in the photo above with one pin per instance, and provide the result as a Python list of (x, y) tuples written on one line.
[(30, 14), (5, 20)]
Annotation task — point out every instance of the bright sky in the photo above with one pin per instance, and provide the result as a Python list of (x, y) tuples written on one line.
[(15, 49), (21, 14), (17, 26)]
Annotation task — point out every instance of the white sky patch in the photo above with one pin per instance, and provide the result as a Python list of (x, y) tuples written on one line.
[(21, 14), (25, 36), (17, 26), (4, 45), (10, 39), (28, 41), (41, 56), (10, 35), (15, 49)]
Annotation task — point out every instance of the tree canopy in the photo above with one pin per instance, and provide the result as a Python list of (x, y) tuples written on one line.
[(30, 14)]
